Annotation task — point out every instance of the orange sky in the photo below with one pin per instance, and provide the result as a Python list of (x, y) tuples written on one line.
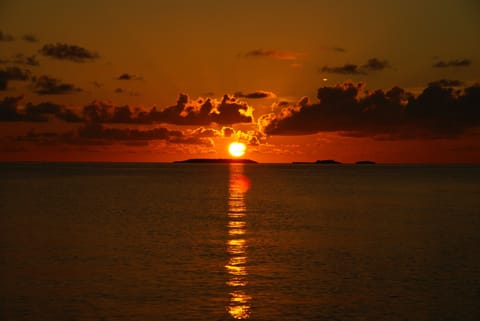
[(162, 81)]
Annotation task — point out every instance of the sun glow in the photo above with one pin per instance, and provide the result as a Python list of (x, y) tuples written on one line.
[(237, 149)]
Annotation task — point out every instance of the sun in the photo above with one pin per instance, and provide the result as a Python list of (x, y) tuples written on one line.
[(237, 149)]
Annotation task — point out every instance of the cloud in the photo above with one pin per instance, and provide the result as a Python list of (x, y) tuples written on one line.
[(347, 69), (273, 54), (207, 132), (63, 51), (21, 59), (6, 37), (10, 111), (124, 91), (200, 112), (394, 114), (334, 49), (453, 63), (373, 64), (446, 83), (259, 94), (127, 76), (45, 85), (30, 38), (227, 111), (98, 134), (12, 73)]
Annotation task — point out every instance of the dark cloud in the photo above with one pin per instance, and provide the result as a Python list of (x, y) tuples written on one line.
[(347, 69), (373, 64), (48, 108), (12, 73), (127, 76), (10, 111), (98, 134), (446, 83), (21, 59), (45, 85), (124, 91), (63, 51), (274, 54), (256, 94), (453, 63), (200, 112), (6, 37), (348, 108), (339, 49), (30, 38)]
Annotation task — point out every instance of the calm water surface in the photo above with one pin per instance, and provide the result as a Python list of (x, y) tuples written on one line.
[(221, 242)]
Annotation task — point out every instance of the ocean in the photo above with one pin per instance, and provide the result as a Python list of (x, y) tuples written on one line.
[(108, 241)]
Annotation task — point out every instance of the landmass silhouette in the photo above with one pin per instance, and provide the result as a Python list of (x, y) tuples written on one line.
[(218, 160)]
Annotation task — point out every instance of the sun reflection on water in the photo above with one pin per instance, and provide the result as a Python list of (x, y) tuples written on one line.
[(239, 307)]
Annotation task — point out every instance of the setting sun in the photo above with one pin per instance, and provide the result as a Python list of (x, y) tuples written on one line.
[(237, 149)]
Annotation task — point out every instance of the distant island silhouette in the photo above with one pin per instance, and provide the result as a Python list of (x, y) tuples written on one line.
[(322, 161), (218, 160), (365, 162), (327, 161), (334, 162)]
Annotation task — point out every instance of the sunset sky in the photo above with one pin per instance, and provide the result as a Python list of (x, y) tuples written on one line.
[(145, 80)]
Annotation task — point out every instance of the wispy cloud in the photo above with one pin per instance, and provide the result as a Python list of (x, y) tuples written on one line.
[(45, 85), (6, 37), (453, 63), (259, 94), (446, 83), (63, 51), (373, 64), (30, 38), (127, 76), (274, 54)]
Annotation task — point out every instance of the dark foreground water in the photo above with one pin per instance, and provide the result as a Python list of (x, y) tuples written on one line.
[(260, 242)]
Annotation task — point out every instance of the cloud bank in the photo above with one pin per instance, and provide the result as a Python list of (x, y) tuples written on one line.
[(438, 112)]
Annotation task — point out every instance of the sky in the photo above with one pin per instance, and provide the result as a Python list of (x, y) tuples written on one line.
[(158, 81)]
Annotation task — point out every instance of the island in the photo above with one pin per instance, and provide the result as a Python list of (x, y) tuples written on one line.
[(365, 162), (328, 162), (218, 161)]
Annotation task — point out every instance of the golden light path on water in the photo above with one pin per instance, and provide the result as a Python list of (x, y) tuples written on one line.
[(239, 303)]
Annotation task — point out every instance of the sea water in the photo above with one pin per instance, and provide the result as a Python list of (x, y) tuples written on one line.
[(221, 242)]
